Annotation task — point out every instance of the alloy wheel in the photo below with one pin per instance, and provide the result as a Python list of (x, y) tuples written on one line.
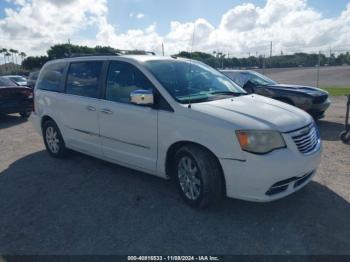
[(52, 140), (188, 174)]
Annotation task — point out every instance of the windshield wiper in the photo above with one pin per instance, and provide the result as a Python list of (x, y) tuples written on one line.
[(227, 93)]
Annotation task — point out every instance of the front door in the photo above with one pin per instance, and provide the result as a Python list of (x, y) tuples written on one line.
[(128, 131)]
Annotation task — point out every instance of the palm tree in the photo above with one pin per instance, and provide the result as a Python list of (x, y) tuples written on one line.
[(4, 50), (7, 54), (15, 52), (12, 51), (22, 55), (4, 61)]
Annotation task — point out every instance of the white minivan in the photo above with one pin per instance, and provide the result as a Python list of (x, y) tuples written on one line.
[(177, 119)]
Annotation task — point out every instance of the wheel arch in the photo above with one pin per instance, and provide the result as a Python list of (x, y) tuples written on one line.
[(176, 146), (46, 118)]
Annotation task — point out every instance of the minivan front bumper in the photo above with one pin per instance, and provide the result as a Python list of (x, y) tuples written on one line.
[(265, 178)]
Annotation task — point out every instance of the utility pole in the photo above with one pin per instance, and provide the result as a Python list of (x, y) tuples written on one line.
[(318, 69), (270, 49), (69, 48), (163, 48)]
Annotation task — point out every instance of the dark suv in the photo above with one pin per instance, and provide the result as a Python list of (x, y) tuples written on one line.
[(311, 99)]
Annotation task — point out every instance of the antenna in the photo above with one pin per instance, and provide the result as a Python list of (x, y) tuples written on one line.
[(190, 67)]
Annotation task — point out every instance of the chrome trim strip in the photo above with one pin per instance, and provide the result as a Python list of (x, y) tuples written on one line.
[(85, 132), (113, 139), (124, 142)]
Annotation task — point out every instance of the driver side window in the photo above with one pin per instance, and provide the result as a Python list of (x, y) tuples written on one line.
[(124, 78)]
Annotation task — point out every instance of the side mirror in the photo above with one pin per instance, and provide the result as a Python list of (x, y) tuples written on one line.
[(142, 97), (249, 87)]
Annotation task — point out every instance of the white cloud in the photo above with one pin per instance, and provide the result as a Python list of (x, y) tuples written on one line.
[(138, 16), (37, 24), (291, 25)]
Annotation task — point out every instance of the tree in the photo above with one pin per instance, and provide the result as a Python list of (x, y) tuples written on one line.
[(34, 62), (22, 55)]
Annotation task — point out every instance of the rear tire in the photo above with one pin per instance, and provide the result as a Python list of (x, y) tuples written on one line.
[(198, 176), (53, 140), (25, 114)]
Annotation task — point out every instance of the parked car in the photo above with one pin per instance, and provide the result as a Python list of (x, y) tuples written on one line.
[(33, 76), (19, 80), (177, 119), (15, 98), (311, 99)]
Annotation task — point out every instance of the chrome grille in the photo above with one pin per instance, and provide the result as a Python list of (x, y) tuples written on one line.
[(308, 140)]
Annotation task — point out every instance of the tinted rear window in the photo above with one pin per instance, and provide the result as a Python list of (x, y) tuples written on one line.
[(83, 78), (51, 77), (6, 82)]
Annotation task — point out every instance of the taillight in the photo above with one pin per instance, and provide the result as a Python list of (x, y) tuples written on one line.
[(30, 94)]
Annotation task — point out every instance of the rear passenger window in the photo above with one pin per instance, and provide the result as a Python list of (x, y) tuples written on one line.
[(83, 79), (51, 77)]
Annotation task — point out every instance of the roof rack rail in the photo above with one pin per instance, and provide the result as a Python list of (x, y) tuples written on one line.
[(135, 52), (97, 54), (117, 53)]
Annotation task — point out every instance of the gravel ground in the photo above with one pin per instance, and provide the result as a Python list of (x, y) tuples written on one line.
[(329, 76), (81, 205)]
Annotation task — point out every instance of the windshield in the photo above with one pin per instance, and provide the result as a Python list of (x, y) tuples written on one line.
[(259, 79), (192, 81), (6, 82), (17, 78)]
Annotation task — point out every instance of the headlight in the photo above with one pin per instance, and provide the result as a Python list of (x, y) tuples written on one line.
[(260, 142)]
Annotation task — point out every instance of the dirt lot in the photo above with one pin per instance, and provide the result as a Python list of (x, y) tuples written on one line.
[(329, 76), (81, 205)]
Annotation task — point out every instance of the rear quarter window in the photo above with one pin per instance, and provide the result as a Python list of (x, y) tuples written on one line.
[(52, 77)]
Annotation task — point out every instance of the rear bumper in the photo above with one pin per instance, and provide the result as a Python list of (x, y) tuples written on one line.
[(265, 178), (10, 108)]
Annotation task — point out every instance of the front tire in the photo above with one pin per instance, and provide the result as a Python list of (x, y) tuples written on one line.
[(53, 140), (198, 176)]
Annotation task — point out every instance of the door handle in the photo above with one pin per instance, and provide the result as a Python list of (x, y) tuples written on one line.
[(107, 111), (90, 108)]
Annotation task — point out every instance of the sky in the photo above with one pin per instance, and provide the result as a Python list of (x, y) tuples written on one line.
[(235, 27)]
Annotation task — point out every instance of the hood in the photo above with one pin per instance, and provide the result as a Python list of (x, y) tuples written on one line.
[(298, 88), (256, 112)]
